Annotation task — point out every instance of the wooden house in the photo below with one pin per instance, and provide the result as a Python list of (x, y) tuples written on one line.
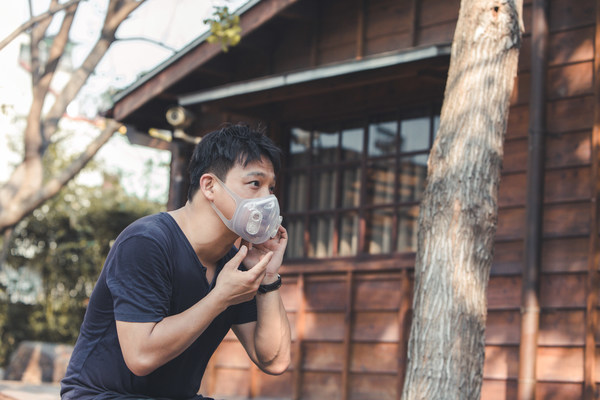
[(352, 91)]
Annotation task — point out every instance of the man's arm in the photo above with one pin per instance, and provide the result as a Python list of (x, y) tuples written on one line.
[(149, 345), (267, 341)]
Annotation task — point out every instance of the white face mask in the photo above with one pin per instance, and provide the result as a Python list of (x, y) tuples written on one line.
[(254, 220)]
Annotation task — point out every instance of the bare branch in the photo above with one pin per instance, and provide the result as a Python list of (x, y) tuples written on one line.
[(78, 79), (149, 40), (123, 10), (35, 20)]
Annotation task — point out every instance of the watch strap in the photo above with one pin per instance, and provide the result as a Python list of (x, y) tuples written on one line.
[(271, 286)]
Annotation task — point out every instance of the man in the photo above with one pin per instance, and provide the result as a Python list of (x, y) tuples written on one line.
[(173, 284)]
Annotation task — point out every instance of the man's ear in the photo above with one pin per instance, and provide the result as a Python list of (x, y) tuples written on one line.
[(207, 186)]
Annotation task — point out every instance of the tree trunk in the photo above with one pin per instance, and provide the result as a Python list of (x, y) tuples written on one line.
[(457, 223)]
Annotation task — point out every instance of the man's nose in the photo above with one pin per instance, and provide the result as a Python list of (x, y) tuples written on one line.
[(264, 192)]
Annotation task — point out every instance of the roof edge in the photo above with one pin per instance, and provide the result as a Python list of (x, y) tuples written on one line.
[(312, 74), (175, 57)]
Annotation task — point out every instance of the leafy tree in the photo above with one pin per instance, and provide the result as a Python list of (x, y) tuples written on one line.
[(224, 28), (65, 241)]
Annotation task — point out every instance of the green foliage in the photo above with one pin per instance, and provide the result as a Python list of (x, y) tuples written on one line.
[(65, 241), (224, 28)]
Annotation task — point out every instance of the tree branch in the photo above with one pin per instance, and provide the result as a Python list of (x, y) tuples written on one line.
[(149, 40), (26, 25), (12, 211), (114, 18)]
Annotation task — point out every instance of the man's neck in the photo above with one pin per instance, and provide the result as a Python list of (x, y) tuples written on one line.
[(209, 238)]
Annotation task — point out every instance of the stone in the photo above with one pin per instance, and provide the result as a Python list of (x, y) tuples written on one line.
[(37, 362)]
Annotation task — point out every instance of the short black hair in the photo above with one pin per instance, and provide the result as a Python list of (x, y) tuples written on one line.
[(220, 150)]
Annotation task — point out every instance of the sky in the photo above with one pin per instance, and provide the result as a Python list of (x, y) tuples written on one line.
[(174, 23)]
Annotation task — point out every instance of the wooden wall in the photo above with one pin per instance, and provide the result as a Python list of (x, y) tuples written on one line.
[(350, 331), (566, 214), (350, 319)]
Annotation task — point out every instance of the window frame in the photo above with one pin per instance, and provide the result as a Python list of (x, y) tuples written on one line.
[(338, 166)]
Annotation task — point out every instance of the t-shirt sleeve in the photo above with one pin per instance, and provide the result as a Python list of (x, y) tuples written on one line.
[(139, 281), (245, 312)]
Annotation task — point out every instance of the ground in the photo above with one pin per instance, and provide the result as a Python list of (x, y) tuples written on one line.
[(15, 390)]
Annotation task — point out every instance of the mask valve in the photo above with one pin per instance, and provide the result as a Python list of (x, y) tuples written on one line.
[(253, 225)]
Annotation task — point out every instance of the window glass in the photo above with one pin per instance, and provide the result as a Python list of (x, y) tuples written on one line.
[(352, 143), (414, 135), (323, 190), (378, 235), (299, 143), (325, 147), (355, 191), (351, 186), (348, 233), (436, 126), (412, 173), (382, 138), (295, 246), (407, 228), (380, 185), (297, 186), (321, 237)]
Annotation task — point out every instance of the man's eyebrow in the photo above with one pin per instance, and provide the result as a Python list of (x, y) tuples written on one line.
[(260, 174)]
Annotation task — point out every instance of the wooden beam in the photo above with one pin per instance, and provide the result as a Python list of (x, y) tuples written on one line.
[(414, 21), (303, 12), (360, 29), (194, 58), (591, 315)]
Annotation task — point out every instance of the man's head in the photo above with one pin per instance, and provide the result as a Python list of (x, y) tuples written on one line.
[(221, 150)]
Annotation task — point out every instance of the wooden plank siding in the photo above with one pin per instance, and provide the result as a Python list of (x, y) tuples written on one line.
[(566, 216)]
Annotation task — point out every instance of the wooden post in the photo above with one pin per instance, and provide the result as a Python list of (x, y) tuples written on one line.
[(178, 184), (404, 320), (347, 335), (297, 389), (530, 307), (591, 320)]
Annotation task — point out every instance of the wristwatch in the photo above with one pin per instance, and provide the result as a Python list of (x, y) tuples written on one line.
[(271, 286)]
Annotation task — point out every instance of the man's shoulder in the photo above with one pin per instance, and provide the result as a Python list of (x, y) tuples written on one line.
[(155, 226)]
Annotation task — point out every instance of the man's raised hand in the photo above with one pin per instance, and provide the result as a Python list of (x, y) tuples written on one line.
[(237, 286)]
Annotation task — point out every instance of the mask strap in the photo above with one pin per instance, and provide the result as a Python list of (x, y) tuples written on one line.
[(236, 198)]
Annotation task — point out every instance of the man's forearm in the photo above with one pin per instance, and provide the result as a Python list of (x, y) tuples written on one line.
[(272, 337)]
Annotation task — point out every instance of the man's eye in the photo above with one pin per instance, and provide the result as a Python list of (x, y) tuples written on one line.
[(255, 183)]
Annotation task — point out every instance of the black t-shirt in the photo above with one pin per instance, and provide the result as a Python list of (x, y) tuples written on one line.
[(151, 272)]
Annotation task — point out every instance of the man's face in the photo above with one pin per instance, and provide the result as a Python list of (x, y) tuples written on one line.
[(257, 179)]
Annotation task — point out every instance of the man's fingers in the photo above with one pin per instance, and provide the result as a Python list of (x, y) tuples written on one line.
[(261, 266), (237, 259)]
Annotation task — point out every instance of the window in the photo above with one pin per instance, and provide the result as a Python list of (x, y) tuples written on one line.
[(354, 187)]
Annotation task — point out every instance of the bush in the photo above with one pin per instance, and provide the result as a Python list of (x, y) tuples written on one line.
[(65, 241)]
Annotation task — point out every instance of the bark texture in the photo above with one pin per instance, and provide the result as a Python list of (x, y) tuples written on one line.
[(457, 223)]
